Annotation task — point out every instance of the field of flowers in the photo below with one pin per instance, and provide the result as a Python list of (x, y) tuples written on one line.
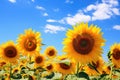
[(82, 60)]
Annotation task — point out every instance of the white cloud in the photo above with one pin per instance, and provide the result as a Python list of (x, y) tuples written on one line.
[(72, 20), (78, 17), (116, 11), (33, 0), (53, 29), (12, 1), (69, 1), (51, 20), (90, 7), (116, 27), (104, 10), (111, 2), (98, 11), (40, 8), (45, 14), (62, 21)]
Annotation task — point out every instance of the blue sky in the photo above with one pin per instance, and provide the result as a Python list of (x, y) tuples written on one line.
[(53, 17)]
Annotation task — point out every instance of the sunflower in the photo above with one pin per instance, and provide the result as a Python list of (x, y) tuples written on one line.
[(31, 77), (50, 52), (65, 68), (16, 70), (84, 43), (49, 66), (106, 69), (115, 54), (29, 43), (96, 68), (2, 63), (9, 52), (39, 60)]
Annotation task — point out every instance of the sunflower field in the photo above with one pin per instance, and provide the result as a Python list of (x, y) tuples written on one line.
[(82, 58)]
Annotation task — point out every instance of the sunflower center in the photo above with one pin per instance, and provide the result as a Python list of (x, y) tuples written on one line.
[(64, 66), (83, 44), (109, 68), (51, 53), (49, 67), (116, 54), (30, 44), (16, 70), (10, 51), (38, 59)]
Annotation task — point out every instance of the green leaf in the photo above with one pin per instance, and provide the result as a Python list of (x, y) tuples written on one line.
[(16, 76), (50, 76), (93, 67), (109, 55), (66, 61), (103, 76), (83, 75), (57, 76)]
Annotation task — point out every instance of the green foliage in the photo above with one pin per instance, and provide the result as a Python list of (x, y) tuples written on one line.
[(83, 75)]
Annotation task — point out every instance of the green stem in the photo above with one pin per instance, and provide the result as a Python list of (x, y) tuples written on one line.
[(29, 59), (65, 77), (111, 71), (78, 68), (10, 71)]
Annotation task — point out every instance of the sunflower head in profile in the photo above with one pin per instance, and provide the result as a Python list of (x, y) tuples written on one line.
[(50, 52), (2, 63), (106, 69), (84, 43), (49, 66), (39, 60), (9, 52), (31, 77), (115, 54), (16, 70), (96, 68), (29, 43), (65, 66)]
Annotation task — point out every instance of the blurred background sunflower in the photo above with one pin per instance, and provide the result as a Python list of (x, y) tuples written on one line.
[(39, 60), (30, 42), (50, 52), (64, 66), (115, 54), (9, 52)]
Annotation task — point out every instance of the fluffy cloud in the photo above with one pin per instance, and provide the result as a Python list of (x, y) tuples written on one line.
[(53, 29), (45, 14), (12, 1), (116, 27), (104, 10), (51, 20), (79, 17), (72, 20), (62, 21), (40, 8), (99, 11)]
